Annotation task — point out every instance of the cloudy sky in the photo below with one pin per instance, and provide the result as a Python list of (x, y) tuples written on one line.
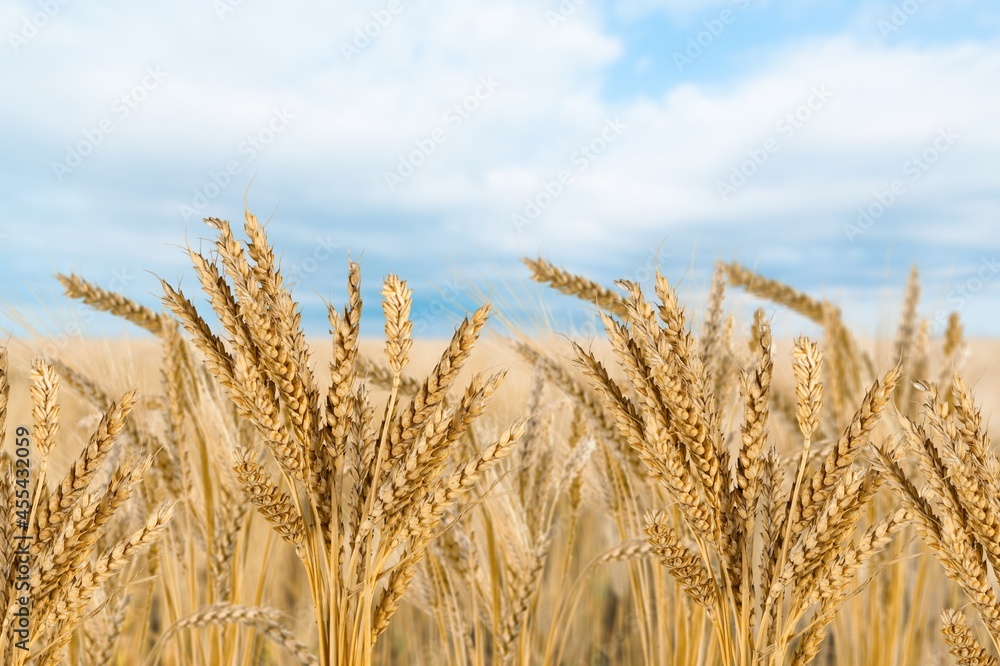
[(832, 145)]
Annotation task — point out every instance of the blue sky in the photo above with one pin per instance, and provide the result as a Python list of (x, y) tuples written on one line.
[(829, 145)]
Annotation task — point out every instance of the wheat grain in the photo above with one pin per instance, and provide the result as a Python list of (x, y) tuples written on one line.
[(964, 645)]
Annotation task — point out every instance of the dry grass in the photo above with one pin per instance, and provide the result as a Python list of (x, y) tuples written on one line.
[(675, 493)]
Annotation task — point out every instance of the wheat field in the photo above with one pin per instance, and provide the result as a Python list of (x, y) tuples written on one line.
[(687, 489)]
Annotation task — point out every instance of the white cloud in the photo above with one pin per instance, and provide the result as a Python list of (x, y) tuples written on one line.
[(354, 119), (679, 10)]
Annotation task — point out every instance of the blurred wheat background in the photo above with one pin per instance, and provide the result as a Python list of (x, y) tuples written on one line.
[(574, 332)]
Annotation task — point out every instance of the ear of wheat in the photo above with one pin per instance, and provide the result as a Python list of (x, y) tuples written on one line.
[(741, 509), (52, 563), (669, 413), (360, 499)]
